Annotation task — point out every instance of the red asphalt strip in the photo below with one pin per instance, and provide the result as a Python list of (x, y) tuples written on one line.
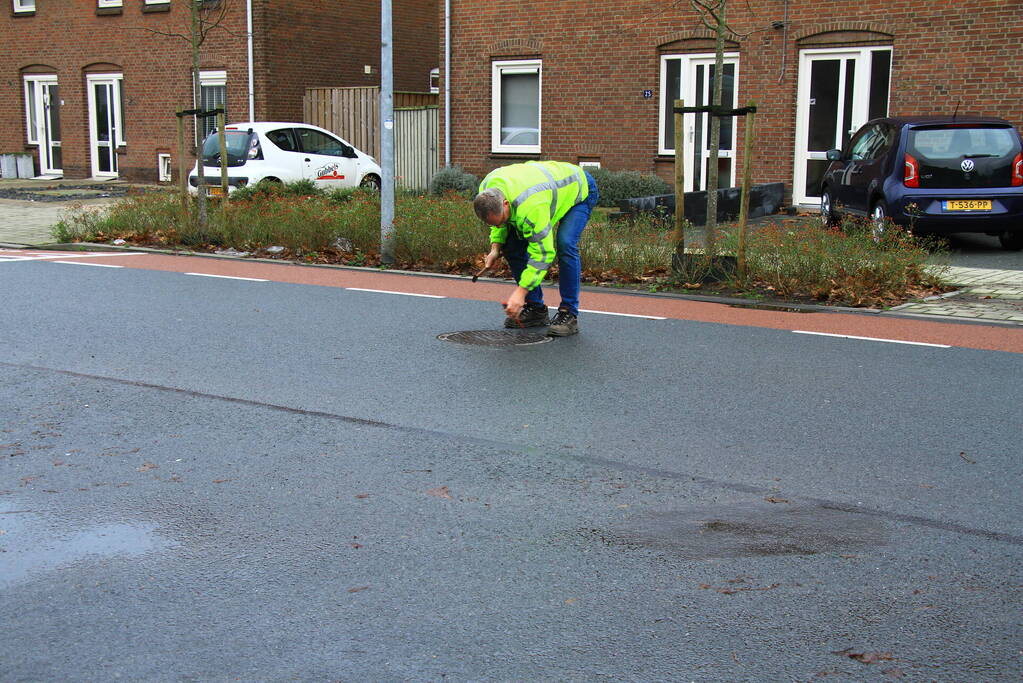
[(974, 336)]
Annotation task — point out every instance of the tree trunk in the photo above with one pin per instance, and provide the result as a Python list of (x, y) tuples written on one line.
[(710, 232), (197, 98)]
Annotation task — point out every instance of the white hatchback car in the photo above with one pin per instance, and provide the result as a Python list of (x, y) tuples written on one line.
[(284, 152)]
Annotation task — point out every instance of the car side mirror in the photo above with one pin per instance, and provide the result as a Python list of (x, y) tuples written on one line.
[(834, 155)]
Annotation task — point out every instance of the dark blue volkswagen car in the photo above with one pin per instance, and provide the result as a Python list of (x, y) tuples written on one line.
[(931, 174)]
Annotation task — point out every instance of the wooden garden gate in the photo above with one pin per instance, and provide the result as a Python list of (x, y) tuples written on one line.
[(354, 114)]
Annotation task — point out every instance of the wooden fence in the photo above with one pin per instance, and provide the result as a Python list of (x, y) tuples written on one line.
[(354, 114)]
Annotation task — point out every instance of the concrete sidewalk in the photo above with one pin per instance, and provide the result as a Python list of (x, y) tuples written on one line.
[(986, 295)]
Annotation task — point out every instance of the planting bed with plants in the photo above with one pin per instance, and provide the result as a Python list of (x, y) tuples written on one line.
[(788, 258)]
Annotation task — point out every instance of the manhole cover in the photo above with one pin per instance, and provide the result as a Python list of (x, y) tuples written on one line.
[(497, 337)]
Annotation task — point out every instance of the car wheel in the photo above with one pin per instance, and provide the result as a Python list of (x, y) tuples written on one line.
[(371, 183), (1012, 241), (828, 218), (880, 220)]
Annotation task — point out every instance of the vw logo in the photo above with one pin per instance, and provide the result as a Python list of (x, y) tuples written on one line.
[(967, 165)]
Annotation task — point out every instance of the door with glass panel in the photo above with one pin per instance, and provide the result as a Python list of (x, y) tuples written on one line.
[(691, 78), (839, 91), (105, 123), (42, 99)]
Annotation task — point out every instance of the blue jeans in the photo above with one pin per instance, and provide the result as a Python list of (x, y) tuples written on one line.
[(569, 230)]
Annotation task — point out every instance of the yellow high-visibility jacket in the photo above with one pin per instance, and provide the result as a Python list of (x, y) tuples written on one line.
[(540, 194)]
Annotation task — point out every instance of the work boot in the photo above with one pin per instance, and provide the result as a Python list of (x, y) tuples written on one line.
[(563, 324), (531, 315)]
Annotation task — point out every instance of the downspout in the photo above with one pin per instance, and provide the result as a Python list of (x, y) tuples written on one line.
[(447, 83), (252, 87)]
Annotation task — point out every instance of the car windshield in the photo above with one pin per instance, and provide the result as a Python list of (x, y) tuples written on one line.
[(964, 156), (237, 142)]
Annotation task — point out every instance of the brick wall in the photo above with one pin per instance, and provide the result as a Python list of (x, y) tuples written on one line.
[(598, 58), (312, 43)]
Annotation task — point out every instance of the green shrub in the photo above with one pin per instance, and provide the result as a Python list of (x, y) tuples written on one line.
[(617, 185), (452, 179)]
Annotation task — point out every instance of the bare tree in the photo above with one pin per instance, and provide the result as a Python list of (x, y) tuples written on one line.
[(712, 14), (205, 18)]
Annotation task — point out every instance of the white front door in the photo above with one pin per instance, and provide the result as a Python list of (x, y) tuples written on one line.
[(42, 96), (839, 90), (105, 123), (691, 79)]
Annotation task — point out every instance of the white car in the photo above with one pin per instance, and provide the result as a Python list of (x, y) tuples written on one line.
[(284, 152)]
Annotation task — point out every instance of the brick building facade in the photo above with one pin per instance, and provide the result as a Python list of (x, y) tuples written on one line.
[(121, 68), (593, 82)]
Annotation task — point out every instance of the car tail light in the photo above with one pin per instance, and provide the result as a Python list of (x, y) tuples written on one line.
[(255, 151), (1017, 170), (911, 177)]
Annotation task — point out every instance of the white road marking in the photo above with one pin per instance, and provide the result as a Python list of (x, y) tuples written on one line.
[(877, 339), (86, 263), (15, 255), (627, 315), (229, 277), (386, 291)]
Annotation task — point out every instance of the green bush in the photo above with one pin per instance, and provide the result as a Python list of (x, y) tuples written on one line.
[(452, 179), (617, 185)]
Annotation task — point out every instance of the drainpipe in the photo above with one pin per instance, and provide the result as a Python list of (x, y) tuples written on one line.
[(447, 83), (252, 88)]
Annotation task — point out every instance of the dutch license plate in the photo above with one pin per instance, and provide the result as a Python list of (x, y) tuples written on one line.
[(215, 191), (968, 205)]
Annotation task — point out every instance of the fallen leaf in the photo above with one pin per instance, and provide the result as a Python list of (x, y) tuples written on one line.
[(220, 481), (440, 492), (571, 601), (362, 495), (147, 466), (358, 588), (355, 545), (775, 499)]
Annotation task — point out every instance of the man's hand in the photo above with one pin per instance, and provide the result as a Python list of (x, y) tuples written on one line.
[(515, 302), (492, 258)]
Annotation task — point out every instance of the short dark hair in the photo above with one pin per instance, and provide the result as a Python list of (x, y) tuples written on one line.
[(489, 202)]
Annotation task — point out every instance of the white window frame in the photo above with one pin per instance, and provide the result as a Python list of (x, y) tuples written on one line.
[(33, 84), (157, 2), (109, 3), (859, 110), (688, 125), (208, 79), (518, 66), (118, 80), (24, 6)]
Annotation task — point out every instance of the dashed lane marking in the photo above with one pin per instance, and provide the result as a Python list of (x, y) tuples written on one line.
[(11, 255), (877, 339), (386, 291), (626, 315), (86, 263), (229, 277)]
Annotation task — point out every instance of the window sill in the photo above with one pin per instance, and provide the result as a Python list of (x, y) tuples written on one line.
[(516, 155), (23, 13), (152, 9), (108, 11)]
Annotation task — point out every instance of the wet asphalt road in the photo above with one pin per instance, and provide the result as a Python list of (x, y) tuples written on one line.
[(228, 480)]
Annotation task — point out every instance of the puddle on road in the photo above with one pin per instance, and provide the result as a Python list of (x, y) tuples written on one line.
[(749, 531), (33, 544)]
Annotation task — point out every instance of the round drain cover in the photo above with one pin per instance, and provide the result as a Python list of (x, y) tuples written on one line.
[(497, 337)]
